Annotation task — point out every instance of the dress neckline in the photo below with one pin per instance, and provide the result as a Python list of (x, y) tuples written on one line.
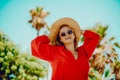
[(72, 53)]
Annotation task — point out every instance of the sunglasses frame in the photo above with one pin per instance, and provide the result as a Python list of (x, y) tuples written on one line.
[(63, 34)]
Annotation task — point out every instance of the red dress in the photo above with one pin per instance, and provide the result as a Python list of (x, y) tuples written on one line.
[(64, 65)]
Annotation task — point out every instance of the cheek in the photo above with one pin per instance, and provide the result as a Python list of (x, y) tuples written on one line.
[(73, 36), (61, 39)]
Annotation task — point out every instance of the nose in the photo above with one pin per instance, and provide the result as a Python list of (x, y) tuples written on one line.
[(67, 34)]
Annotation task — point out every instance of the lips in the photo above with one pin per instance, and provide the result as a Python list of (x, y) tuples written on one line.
[(68, 38)]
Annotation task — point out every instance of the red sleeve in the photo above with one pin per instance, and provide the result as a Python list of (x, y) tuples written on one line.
[(40, 48), (91, 40)]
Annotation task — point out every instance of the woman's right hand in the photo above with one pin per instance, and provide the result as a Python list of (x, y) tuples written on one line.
[(82, 31)]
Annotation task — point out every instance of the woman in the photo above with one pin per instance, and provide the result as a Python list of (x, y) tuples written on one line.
[(68, 61)]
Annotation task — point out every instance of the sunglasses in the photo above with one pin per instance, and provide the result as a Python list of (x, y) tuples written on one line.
[(64, 33)]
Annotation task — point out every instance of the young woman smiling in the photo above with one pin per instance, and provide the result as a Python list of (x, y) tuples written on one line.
[(68, 61)]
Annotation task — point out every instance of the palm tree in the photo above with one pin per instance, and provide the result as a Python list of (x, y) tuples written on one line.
[(105, 56), (37, 20)]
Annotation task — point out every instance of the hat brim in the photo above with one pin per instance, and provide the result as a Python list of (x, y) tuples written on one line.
[(64, 21)]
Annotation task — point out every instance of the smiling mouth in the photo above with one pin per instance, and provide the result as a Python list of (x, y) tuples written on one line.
[(68, 38)]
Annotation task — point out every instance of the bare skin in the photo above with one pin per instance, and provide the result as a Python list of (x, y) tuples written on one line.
[(68, 40)]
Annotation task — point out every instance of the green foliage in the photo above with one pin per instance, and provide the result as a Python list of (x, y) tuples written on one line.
[(16, 65), (117, 44), (107, 72), (100, 29), (94, 74), (106, 56)]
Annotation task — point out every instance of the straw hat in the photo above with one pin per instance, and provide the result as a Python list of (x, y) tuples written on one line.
[(64, 21)]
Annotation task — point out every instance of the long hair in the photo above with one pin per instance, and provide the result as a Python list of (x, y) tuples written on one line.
[(59, 43)]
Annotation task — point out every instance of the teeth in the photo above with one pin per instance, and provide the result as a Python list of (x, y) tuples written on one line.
[(68, 38)]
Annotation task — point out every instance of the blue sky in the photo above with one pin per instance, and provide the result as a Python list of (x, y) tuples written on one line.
[(14, 16)]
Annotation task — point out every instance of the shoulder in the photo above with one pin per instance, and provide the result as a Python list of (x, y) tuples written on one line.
[(81, 50)]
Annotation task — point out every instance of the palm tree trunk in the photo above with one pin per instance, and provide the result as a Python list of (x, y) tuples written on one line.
[(37, 32)]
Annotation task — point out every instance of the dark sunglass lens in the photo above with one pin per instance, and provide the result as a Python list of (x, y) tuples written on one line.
[(70, 32), (63, 34)]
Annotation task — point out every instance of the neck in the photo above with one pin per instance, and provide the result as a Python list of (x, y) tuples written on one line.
[(70, 47)]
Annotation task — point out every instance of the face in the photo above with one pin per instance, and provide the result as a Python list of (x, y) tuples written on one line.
[(66, 35)]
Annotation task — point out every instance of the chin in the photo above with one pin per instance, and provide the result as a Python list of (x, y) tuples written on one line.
[(68, 41)]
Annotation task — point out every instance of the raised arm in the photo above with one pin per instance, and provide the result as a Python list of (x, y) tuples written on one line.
[(91, 40), (40, 48)]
